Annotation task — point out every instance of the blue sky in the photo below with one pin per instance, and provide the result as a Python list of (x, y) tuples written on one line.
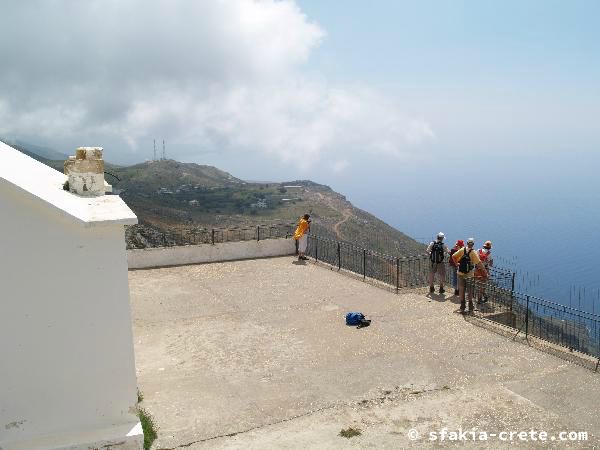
[(496, 80), (509, 70), (329, 90), (508, 44)]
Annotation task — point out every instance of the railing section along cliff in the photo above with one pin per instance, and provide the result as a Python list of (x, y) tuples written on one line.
[(533, 316), (139, 237)]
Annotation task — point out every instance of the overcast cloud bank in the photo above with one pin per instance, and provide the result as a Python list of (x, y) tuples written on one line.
[(220, 75)]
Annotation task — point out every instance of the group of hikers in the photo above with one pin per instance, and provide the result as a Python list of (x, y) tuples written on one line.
[(466, 264)]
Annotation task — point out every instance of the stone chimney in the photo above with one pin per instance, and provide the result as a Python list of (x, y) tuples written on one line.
[(86, 172)]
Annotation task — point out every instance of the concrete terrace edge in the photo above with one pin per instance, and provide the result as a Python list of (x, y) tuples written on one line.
[(119, 437), (208, 253)]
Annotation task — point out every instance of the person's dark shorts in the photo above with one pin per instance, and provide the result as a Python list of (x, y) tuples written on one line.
[(439, 268)]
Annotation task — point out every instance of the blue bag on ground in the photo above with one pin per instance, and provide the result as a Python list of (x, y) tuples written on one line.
[(354, 318)]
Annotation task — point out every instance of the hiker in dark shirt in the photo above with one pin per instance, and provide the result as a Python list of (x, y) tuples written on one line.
[(437, 250)]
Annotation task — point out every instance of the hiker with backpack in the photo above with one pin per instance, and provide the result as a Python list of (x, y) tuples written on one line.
[(453, 265), (301, 236), (485, 256), (437, 250), (467, 260)]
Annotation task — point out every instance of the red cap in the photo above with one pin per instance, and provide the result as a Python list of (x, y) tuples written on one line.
[(460, 243)]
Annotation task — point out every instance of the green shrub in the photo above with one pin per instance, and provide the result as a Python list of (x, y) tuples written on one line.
[(350, 432), (149, 426)]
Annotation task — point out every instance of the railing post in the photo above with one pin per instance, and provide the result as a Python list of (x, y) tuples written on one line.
[(339, 250), (212, 237), (402, 269), (257, 233), (397, 274), (512, 290), (527, 318), (364, 264), (316, 249)]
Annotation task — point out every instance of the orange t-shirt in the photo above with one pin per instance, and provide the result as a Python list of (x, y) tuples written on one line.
[(301, 229)]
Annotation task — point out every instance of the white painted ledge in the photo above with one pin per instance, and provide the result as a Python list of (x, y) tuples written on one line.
[(207, 253), (42, 183)]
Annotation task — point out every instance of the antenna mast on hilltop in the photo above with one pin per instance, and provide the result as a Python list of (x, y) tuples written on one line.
[(154, 150), (164, 152)]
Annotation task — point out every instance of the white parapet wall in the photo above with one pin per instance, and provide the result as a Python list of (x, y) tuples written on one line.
[(67, 367), (207, 253)]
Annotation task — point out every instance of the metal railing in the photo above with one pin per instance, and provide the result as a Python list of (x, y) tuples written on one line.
[(552, 322), (395, 271), (399, 272), (138, 237), (533, 316)]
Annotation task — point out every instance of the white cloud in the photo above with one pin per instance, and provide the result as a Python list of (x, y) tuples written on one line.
[(340, 165), (219, 74)]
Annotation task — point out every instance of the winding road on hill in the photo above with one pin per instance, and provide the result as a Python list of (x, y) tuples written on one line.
[(346, 212)]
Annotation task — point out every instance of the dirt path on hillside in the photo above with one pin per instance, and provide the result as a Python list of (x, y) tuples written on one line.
[(346, 212)]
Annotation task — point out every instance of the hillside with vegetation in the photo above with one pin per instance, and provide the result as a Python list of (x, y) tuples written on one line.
[(172, 195), (167, 195)]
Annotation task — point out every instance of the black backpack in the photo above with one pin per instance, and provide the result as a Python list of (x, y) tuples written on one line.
[(464, 265), (437, 252)]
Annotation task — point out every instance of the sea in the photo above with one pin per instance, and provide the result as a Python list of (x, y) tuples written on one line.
[(543, 221)]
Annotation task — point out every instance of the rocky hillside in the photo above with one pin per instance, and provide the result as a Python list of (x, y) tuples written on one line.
[(179, 197)]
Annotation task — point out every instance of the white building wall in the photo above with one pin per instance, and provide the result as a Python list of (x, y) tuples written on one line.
[(66, 349), (195, 254)]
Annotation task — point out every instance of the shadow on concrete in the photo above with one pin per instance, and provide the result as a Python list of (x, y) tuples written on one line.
[(445, 297), (299, 263), (437, 297), (455, 299)]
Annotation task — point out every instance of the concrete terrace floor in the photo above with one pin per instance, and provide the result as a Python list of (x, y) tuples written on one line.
[(255, 354)]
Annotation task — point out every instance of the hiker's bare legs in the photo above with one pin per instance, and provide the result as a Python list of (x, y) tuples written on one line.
[(302, 244), (441, 273), (465, 294), (439, 270), (469, 293)]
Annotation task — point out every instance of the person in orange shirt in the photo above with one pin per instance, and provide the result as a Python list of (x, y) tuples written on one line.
[(485, 256), (301, 236)]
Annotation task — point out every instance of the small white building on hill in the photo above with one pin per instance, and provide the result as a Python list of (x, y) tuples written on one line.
[(67, 370)]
